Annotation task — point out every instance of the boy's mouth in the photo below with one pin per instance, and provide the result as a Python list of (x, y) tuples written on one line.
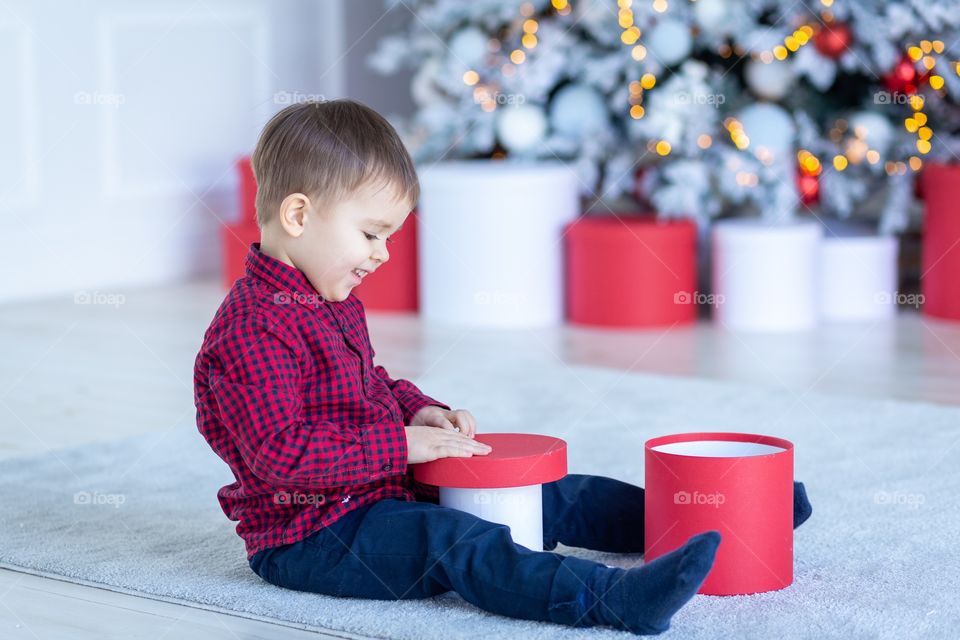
[(359, 274)]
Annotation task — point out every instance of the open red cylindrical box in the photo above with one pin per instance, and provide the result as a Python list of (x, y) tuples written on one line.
[(738, 484)]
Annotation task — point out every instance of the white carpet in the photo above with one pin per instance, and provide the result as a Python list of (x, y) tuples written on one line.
[(877, 560)]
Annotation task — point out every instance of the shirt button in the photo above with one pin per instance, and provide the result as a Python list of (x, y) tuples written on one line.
[(387, 467)]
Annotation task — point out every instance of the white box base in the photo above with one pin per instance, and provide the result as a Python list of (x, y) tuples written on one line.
[(520, 508)]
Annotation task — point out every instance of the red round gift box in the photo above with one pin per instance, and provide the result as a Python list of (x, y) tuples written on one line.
[(940, 278), (517, 460), (247, 192), (748, 499), (235, 241), (631, 271)]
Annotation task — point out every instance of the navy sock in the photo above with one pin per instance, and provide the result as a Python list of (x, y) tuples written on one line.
[(801, 506), (643, 599)]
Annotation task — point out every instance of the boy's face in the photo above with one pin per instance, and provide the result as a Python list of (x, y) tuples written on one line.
[(349, 236)]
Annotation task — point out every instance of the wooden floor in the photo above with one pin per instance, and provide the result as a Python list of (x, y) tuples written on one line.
[(114, 364)]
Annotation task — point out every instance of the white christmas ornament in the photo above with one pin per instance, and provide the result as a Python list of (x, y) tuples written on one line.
[(873, 129), (521, 128), (468, 46), (712, 16), (669, 42), (769, 127), (578, 109), (771, 81)]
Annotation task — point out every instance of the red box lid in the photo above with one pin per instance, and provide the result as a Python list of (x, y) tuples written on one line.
[(517, 460)]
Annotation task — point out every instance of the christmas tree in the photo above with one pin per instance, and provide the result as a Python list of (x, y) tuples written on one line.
[(694, 108)]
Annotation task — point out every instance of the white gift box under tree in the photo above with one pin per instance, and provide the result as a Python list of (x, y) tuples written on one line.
[(491, 250)]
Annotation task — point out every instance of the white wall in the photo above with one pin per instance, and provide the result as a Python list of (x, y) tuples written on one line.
[(121, 122)]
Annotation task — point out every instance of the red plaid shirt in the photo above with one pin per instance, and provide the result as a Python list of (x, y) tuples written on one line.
[(287, 394)]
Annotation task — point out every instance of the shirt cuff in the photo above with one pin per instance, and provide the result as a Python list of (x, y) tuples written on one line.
[(385, 445)]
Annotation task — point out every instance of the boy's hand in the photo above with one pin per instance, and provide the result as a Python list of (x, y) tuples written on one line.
[(458, 420), (429, 443)]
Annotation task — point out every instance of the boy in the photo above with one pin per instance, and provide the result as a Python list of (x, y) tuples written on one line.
[(320, 439)]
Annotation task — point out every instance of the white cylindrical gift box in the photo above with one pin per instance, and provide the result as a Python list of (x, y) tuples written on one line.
[(858, 277), (490, 242), (520, 508), (765, 276)]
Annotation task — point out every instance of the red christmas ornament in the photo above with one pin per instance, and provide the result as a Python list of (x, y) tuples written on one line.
[(833, 39), (809, 188), (904, 78)]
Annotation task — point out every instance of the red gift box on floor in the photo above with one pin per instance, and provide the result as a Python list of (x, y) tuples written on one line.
[(739, 484), (247, 193), (940, 279), (631, 271), (235, 241), (394, 287)]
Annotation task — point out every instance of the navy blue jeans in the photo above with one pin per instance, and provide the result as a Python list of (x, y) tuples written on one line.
[(393, 550)]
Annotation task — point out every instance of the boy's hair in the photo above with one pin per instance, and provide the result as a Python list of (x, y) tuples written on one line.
[(326, 150)]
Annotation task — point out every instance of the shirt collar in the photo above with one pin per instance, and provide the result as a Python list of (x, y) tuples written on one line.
[(289, 280)]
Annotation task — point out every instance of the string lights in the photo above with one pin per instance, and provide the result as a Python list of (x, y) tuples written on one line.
[(855, 146), (630, 35), (791, 44)]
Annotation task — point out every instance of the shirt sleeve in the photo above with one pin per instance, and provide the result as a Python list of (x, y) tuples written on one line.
[(408, 396), (257, 393)]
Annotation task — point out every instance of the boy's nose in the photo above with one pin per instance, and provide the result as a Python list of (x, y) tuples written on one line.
[(381, 255)]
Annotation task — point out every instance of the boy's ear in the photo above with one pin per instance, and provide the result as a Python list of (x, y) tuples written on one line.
[(293, 211)]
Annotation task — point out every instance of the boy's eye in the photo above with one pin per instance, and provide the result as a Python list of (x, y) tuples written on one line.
[(370, 236)]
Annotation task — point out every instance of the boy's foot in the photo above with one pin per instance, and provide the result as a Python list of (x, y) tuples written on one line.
[(801, 506), (643, 599)]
